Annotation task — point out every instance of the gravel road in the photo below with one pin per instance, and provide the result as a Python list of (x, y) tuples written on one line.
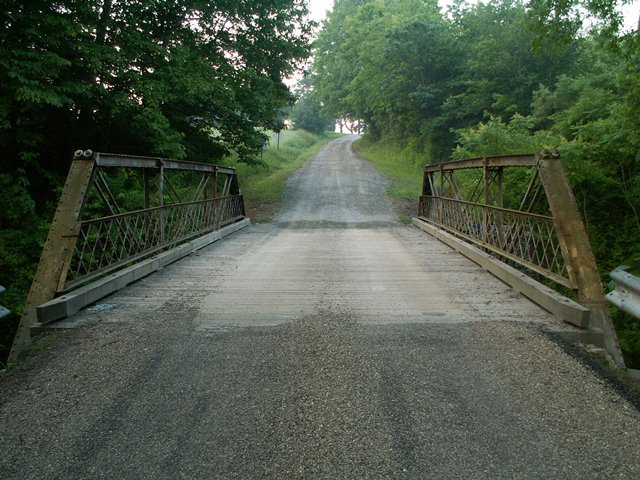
[(336, 343)]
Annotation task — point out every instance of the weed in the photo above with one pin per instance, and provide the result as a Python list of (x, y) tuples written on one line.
[(263, 184), (402, 165)]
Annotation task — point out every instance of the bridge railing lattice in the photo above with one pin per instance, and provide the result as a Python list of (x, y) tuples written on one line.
[(520, 209), (116, 210)]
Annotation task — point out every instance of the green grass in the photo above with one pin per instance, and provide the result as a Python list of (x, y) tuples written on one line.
[(263, 184), (266, 182), (403, 166)]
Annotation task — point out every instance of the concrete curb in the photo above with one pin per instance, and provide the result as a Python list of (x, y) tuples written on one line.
[(560, 306), (72, 302)]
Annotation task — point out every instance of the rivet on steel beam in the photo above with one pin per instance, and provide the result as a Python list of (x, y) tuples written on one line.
[(78, 154), (87, 153)]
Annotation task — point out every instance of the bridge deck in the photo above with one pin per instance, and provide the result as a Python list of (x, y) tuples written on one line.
[(336, 343)]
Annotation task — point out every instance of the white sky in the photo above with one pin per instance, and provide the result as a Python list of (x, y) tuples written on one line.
[(318, 8)]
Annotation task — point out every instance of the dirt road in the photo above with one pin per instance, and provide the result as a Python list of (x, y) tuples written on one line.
[(335, 343)]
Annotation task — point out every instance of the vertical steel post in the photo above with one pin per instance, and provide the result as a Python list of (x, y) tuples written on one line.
[(485, 221), (234, 189), (147, 177), (500, 202), (214, 184), (428, 190), (427, 182), (576, 249), (58, 249), (213, 194), (161, 219)]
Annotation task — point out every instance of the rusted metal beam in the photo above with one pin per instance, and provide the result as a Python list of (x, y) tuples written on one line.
[(576, 249), (480, 162), (58, 249), (115, 160), (531, 195)]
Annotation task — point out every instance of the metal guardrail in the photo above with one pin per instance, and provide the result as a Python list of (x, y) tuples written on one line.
[(108, 243), (626, 295), (536, 223), (4, 312), (176, 201), (522, 237)]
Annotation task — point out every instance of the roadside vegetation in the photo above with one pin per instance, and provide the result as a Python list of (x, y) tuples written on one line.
[(402, 165), (497, 77), (262, 183)]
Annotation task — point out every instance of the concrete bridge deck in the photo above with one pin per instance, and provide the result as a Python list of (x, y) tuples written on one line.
[(334, 343)]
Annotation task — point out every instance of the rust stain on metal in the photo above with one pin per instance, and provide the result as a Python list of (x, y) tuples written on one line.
[(545, 237), (79, 250)]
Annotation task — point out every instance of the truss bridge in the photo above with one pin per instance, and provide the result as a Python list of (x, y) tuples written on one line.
[(179, 340)]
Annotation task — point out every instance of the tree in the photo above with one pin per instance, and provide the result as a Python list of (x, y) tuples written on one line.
[(332, 65), (501, 69), (184, 79), (561, 20), (170, 78), (414, 75), (385, 62), (308, 114)]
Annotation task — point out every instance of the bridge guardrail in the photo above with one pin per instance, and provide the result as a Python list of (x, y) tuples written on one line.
[(522, 210), (626, 294), (116, 211)]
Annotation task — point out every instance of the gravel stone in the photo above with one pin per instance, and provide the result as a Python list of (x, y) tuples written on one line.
[(336, 344)]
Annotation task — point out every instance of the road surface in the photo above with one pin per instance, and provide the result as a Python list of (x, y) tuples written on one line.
[(334, 343)]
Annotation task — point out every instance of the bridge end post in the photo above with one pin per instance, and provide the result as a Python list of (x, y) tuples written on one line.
[(576, 249), (58, 248)]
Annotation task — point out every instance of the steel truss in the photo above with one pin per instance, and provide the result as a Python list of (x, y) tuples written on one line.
[(116, 210), (538, 228)]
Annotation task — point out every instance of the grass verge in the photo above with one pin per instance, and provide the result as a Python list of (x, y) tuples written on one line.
[(262, 185), (403, 166)]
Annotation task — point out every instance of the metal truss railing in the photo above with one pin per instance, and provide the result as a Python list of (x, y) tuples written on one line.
[(525, 238), (521, 209), (108, 243), (115, 210), (506, 205)]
